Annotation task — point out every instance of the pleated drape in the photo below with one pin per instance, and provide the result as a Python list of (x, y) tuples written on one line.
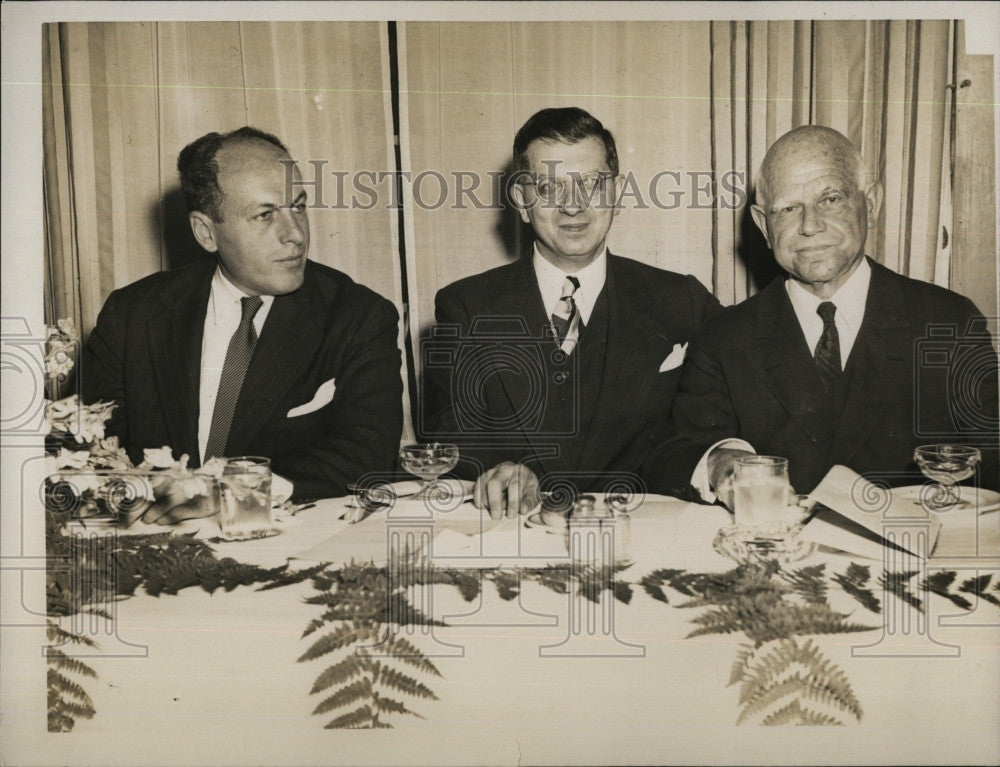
[(121, 100)]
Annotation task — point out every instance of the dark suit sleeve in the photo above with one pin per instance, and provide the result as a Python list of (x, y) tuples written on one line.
[(366, 420), (437, 420), (102, 369), (702, 415)]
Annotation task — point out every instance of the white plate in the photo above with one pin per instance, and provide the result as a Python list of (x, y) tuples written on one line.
[(969, 497)]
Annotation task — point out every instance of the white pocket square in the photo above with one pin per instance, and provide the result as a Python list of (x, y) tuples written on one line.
[(674, 359), (323, 396)]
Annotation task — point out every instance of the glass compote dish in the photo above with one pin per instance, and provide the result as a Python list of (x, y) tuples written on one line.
[(947, 465), (428, 462)]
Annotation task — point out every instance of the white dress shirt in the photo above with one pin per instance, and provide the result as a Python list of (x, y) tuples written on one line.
[(222, 318), (551, 280), (850, 300)]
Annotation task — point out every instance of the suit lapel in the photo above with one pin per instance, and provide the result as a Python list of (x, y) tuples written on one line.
[(877, 364), (779, 350), (519, 296), (287, 346), (174, 336), (631, 308)]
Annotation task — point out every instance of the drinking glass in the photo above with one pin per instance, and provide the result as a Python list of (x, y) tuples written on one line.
[(245, 508), (760, 490), (768, 518), (428, 461), (947, 465)]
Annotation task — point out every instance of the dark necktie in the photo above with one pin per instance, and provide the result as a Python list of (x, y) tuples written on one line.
[(566, 319), (827, 354), (234, 370)]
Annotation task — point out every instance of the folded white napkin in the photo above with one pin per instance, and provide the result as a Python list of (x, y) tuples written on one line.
[(861, 518)]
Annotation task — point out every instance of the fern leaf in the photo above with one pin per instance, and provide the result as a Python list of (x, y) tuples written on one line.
[(898, 584), (743, 659), (314, 624), (622, 591), (508, 585), (346, 669), (62, 661), (64, 686), (401, 648), (396, 680), (811, 718), (978, 587), (853, 583), (654, 587), (390, 706), (353, 692), (342, 636), (939, 583), (793, 713), (353, 720)]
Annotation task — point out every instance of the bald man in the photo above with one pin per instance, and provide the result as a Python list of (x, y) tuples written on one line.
[(256, 350), (840, 362)]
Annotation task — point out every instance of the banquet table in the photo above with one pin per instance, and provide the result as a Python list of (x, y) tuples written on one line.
[(543, 677)]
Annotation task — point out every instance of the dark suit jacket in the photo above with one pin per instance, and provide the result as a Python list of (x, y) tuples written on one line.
[(750, 374), (649, 311), (145, 353)]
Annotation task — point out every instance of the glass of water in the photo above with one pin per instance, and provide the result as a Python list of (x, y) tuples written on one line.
[(760, 490), (245, 508), (768, 517)]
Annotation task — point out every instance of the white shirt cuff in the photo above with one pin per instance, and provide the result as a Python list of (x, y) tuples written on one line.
[(699, 477)]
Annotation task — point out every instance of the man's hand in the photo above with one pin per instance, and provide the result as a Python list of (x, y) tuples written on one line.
[(178, 499), (508, 489), (721, 466)]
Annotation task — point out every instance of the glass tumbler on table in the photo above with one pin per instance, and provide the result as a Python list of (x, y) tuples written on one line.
[(245, 507), (760, 490)]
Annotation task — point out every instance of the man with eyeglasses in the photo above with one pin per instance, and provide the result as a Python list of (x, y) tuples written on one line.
[(561, 365)]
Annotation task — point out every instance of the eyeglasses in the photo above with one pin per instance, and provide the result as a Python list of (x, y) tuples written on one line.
[(553, 189)]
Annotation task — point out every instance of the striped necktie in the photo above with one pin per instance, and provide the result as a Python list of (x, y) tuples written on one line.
[(234, 370), (565, 319), (827, 354)]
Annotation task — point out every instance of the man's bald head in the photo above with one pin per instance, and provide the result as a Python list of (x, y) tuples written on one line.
[(816, 140), (815, 205)]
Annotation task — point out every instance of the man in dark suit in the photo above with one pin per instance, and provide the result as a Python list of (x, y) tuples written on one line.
[(844, 361), (563, 364), (258, 351)]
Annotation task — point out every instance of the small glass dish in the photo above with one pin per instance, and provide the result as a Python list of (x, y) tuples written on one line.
[(779, 540)]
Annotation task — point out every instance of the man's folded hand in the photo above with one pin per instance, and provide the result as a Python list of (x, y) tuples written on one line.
[(508, 489)]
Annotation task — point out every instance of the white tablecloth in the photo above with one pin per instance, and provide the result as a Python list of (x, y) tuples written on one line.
[(214, 679)]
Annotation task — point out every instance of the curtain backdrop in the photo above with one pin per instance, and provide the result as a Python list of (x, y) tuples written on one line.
[(125, 98), (693, 106)]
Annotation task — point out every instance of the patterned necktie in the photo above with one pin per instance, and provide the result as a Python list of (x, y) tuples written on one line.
[(827, 353), (566, 319), (234, 370)]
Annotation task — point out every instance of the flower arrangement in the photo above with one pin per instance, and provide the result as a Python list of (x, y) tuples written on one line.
[(61, 343)]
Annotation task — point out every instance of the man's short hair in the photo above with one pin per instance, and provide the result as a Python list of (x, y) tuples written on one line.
[(567, 125), (200, 172)]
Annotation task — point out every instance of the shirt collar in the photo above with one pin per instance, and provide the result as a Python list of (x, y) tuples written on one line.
[(551, 278), (850, 298), (225, 299)]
